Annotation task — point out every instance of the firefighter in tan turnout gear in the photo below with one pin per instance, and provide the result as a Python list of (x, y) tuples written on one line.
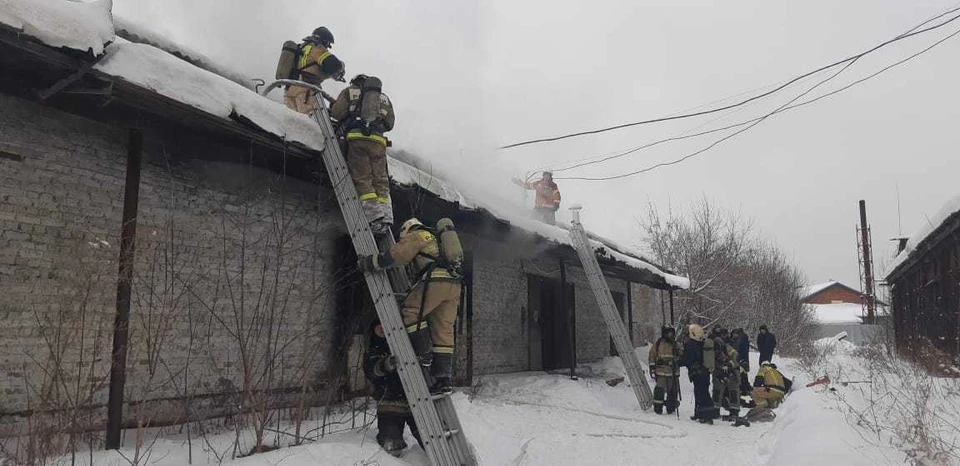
[(430, 309), (310, 62), (664, 369), (365, 113)]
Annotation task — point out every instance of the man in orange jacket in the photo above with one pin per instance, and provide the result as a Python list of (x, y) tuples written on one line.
[(547, 202)]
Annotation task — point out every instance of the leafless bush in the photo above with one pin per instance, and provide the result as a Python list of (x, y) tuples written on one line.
[(65, 380), (737, 280)]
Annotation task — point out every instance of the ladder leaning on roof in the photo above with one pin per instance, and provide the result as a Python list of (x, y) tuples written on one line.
[(609, 310), (443, 437)]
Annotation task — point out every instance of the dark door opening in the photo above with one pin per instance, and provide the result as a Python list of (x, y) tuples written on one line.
[(549, 323)]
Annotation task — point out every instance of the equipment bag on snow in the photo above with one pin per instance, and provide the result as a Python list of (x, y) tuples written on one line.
[(709, 356), (287, 64)]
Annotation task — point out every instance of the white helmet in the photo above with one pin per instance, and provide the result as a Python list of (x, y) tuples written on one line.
[(408, 225)]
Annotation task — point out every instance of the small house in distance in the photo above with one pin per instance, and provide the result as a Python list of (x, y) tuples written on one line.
[(839, 308)]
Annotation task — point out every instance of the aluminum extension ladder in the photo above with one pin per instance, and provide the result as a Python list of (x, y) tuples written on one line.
[(609, 310), (443, 437)]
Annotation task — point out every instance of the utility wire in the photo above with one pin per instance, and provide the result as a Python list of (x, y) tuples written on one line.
[(755, 120), (913, 32), (718, 141)]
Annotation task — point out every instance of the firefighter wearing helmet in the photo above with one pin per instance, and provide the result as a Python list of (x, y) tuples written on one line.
[(693, 360), (314, 64), (430, 309), (547, 200)]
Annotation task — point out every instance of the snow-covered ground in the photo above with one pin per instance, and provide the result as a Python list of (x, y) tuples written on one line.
[(549, 419)]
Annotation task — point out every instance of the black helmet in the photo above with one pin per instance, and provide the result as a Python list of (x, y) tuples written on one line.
[(667, 332), (323, 36), (358, 79)]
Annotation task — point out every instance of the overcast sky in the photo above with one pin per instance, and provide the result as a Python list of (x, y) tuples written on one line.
[(468, 76)]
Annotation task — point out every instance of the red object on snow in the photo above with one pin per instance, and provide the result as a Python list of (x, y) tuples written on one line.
[(823, 380)]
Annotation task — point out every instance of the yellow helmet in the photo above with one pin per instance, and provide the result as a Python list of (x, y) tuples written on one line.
[(409, 225), (695, 332)]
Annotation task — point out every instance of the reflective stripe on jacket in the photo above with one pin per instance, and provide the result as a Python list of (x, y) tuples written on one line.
[(417, 247), (346, 107), (770, 378), (663, 358)]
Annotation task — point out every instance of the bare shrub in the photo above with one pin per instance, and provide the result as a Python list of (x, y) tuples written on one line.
[(737, 280)]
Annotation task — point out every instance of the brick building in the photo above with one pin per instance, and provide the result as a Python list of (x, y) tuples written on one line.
[(831, 292), (924, 282), (243, 284)]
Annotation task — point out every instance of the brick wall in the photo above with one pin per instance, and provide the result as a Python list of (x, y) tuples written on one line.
[(501, 339), (234, 268)]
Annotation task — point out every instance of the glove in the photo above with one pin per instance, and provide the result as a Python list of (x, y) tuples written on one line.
[(367, 264), (390, 363), (653, 374)]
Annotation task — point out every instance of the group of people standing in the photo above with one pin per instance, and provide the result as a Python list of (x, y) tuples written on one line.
[(720, 359)]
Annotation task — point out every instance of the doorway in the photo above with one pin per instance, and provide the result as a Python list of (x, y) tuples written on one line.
[(549, 323)]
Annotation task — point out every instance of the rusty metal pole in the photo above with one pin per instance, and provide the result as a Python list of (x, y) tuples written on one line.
[(868, 292), (121, 323)]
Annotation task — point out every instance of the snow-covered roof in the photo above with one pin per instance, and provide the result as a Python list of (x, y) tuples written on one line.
[(149, 67), (406, 174), (814, 289), (86, 27), (142, 35), (948, 209), (840, 313), (154, 69)]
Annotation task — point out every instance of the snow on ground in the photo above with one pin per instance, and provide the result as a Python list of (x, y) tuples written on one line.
[(839, 313), (60, 23), (537, 418)]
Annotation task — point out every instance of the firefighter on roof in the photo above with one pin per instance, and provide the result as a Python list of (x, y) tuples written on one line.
[(314, 63), (547, 201)]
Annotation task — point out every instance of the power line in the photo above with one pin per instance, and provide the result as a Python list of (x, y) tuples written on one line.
[(755, 121), (913, 32)]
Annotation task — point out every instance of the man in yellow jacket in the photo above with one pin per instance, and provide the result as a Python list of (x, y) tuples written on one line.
[(430, 309), (367, 145), (316, 64), (768, 387)]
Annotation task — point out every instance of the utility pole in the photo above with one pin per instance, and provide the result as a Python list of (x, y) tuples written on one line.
[(865, 251)]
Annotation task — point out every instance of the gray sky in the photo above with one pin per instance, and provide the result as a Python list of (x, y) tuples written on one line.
[(467, 76)]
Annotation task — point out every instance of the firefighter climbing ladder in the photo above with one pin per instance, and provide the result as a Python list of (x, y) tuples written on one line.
[(443, 438), (609, 310)]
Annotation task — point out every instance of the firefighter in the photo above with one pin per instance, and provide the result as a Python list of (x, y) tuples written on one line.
[(430, 309), (766, 343), (547, 201), (367, 146), (768, 387), (727, 374), (663, 368), (742, 342), (315, 64), (393, 411), (692, 359)]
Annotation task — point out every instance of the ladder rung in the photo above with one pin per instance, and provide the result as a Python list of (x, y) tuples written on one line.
[(439, 396), (451, 433)]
